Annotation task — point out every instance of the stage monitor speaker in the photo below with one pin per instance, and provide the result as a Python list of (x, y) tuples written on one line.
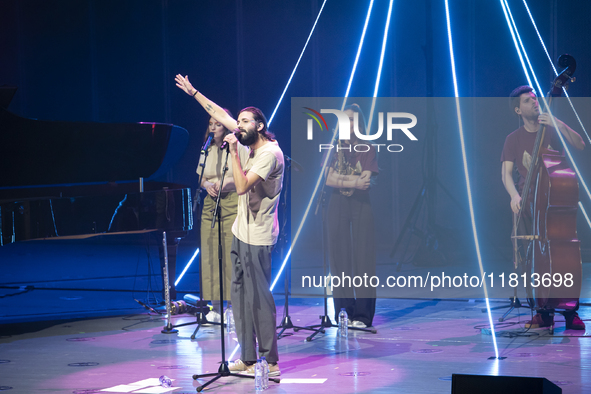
[(482, 384)]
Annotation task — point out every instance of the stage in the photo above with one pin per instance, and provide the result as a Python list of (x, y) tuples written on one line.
[(77, 329), (69, 320), (418, 346)]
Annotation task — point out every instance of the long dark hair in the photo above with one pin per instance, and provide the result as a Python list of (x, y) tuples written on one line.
[(362, 124), (260, 117), (225, 132)]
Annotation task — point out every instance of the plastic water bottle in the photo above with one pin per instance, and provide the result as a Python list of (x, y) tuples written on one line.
[(258, 376), (343, 327), (265, 366), (165, 381), (229, 320)]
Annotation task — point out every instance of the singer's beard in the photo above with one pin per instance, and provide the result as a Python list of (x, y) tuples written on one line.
[(247, 137)]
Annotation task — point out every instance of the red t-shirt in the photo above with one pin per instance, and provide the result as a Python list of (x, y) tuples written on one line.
[(368, 160), (519, 146)]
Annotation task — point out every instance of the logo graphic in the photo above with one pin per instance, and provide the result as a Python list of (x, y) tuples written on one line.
[(344, 128), (310, 124)]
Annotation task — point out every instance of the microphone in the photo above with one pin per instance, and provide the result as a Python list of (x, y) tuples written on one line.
[(206, 144), (225, 143), (297, 166)]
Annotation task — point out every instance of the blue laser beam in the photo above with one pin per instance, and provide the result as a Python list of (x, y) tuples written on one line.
[(359, 48), (523, 51), (234, 352), (384, 42), (186, 267), (319, 180), (516, 44), (467, 176), (297, 63), (379, 75), (585, 214)]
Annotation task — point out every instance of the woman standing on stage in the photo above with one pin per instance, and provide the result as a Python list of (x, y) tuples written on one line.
[(351, 230), (210, 181)]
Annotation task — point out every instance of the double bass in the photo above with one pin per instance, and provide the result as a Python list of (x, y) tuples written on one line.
[(551, 195)]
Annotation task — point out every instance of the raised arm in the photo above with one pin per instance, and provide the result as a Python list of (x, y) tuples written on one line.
[(571, 136), (214, 110)]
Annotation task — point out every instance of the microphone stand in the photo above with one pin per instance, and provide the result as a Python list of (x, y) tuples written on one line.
[(223, 370), (201, 317), (286, 323), (205, 153), (325, 321)]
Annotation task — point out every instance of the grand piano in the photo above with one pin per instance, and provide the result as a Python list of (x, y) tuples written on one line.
[(77, 179)]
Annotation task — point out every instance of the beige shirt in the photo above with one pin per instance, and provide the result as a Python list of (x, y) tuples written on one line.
[(256, 222), (215, 162)]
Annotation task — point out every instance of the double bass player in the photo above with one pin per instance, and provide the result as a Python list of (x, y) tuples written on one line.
[(517, 152)]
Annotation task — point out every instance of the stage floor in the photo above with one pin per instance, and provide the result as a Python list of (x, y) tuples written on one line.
[(418, 345)]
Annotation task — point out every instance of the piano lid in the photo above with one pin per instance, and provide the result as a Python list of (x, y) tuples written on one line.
[(39, 152)]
